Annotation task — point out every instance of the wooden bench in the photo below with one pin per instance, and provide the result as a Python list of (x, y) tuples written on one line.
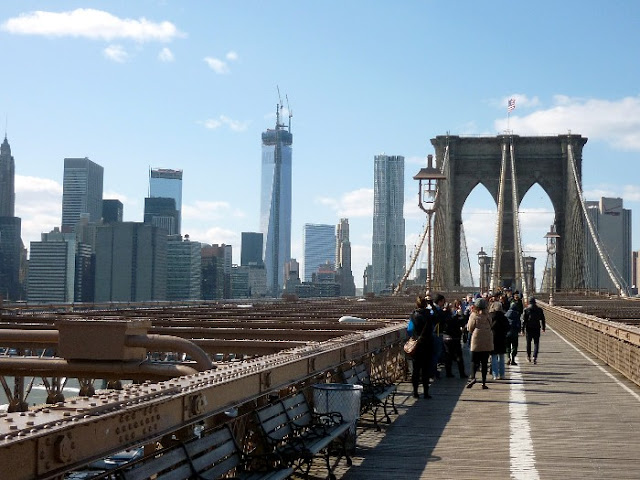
[(208, 457), (375, 394), (296, 434)]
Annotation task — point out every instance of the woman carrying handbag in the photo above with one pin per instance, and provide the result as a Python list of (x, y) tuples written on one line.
[(423, 334)]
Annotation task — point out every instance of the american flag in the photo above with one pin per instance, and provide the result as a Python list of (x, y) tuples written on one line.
[(511, 104)]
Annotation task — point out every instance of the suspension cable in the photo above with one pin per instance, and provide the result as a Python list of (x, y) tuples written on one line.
[(426, 231), (464, 249), (497, 245), (516, 226), (601, 251)]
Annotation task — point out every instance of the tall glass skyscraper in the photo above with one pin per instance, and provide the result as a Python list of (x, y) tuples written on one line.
[(167, 183), (7, 181), (81, 191), (388, 249), (275, 202), (319, 243)]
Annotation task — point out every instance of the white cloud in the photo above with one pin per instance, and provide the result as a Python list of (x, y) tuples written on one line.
[(234, 125), (212, 235), (217, 65), (631, 193), (117, 53), (202, 210), (232, 56), (39, 204), (616, 122), (628, 193), (357, 203), (92, 24), (165, 55)]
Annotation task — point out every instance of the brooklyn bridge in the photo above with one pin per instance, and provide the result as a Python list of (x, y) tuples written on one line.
[(157, 381)]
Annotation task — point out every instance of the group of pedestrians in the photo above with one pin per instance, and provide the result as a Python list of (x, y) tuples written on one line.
[(490, 325)]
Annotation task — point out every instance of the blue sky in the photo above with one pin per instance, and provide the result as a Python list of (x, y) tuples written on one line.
[(191, 85)]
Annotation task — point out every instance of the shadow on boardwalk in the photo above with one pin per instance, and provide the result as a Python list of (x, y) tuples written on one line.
[(402, 448)]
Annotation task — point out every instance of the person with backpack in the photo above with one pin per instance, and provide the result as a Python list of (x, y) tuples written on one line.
[(532, 322)]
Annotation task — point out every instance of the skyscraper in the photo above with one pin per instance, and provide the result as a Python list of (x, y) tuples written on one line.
[(161, 212), (184, 269), (275, 202), (319, 243), (344, 274), (10, 256), (10, 228), (167, 183), (388, 248), (112, 211), (7, 181), (81, 191), (131, 263), (251, 248), (52, 268), (612, 223)]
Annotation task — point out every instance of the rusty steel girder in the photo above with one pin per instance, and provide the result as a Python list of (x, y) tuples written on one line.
[(47, 442)]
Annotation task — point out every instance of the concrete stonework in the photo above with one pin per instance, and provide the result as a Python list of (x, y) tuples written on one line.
[(541, 160)]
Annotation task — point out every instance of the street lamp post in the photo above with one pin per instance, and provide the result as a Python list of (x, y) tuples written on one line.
[(552, 247), (428, 178), (482, 261)]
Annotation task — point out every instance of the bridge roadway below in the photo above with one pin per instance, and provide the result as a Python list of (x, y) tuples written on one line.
[(569, 416)]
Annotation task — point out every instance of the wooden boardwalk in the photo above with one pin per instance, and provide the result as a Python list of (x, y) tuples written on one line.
[(566, 417)]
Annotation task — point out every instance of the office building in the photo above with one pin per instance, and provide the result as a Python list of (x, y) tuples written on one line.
[(10, 258), (161, 212), (291, 275), (319, 244), (275, 202), (167, 183), (184, 269), (10, 228), (344, 274), (131, 263), (7, 180), (366, 280), (52, 268), (216, 271), (612, 224), (112, 211), (251, 249), (81, 192), (635, 272), (388, 248)]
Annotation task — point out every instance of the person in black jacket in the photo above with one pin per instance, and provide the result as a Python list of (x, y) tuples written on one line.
[(499, 327), (452, 328), (515, 325), (423, 332), (532, 323)]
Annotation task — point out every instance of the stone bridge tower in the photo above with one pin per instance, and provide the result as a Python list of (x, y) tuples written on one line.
[(542, 160)]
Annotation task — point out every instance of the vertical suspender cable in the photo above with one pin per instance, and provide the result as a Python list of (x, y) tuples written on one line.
[(516, 227), (601, 252), (497, 245)]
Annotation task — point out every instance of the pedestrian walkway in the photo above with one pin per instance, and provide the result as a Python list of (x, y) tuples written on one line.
[(566, 417)]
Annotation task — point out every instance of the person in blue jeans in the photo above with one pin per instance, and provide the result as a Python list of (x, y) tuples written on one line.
[(532, 322), (500, 328)]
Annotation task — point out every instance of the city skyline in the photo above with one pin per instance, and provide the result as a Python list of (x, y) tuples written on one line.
[(168, 92)]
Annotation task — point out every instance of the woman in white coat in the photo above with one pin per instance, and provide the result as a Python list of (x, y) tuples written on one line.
[(479, 327)]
